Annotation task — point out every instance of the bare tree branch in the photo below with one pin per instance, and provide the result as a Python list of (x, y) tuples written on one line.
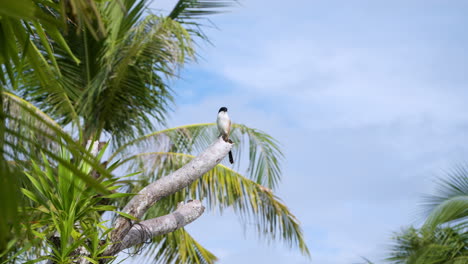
[(148, 229), (165, 186)]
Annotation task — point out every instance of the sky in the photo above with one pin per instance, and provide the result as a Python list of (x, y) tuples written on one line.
[(367, 99)]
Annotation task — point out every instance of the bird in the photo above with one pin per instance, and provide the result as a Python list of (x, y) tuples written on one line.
[(224, 127)]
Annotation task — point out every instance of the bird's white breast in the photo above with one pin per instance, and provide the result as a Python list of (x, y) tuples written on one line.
[(223, 122)]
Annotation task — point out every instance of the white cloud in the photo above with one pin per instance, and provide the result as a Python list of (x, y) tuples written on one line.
[(352, 87), (346, 68)]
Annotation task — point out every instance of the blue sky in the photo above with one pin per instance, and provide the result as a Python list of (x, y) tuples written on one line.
[(367, 99)]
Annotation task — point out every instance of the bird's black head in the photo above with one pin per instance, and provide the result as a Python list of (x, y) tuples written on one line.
[(223, 109)]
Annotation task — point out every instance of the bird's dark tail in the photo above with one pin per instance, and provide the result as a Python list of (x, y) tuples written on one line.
[(231, 159)]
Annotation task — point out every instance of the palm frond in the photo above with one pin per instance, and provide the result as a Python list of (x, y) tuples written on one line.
[(120, 86), (117, 82), (9, 195), (193, 9), (131, 86), (54, 15), (9, 186), (29, 131), (24, 21), (184, 137), (264, 155), (177, 247), (450, 203), (223, 188), (65, 211), (189, 13), (437, 246)]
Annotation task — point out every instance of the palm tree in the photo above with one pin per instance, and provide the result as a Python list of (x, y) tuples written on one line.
[(21, 23), (446, 245), (33, 144), (450, 203), (443, 238), (112, 83)]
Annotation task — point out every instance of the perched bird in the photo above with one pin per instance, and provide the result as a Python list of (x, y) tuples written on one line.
[(224, 127)]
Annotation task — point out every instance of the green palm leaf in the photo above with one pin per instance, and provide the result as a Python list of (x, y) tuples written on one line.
[(29, 131), (64, 210), (120, 86), (450, 203), (177, 247), (131, 87), (23, 21), (193, 9), (189, 13), (435, 246)]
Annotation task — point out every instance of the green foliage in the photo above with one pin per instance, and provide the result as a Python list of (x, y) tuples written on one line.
[(450, 203), (426, 246), (62, 215), (92, 64), (27, 31), (22, 22), (443, 239), (29, 131), (120, 85), (26, 133), (177, 247)]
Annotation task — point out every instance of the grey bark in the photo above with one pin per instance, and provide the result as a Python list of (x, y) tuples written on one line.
[(165, 186), (145, 230)]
